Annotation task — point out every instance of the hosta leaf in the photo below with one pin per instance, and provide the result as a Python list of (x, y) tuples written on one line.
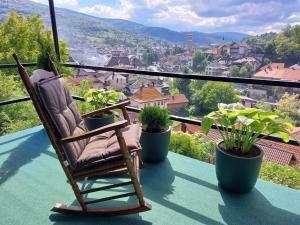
[(245, 121), (207, 122), (285, 136)]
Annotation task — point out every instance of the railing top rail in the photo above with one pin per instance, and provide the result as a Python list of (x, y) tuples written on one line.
[(7, 66), (267, 82), (172, 117)]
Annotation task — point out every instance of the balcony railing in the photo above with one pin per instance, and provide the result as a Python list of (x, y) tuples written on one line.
[(289, 84)]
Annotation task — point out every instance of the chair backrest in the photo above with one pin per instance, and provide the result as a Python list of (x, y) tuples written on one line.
[(56, 110), (63, 115)]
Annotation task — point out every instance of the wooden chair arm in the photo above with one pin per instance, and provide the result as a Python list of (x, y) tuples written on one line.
[(114, 126), (108, 108)]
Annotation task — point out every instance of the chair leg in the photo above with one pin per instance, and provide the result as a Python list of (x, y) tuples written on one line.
[(77, 193), (132, 174), (141, 163)]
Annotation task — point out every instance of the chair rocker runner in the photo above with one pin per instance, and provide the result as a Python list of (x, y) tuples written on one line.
[(83, 154)]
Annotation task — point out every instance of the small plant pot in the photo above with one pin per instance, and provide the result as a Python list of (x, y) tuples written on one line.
[(155, 146), (236, 173), (92, 123)]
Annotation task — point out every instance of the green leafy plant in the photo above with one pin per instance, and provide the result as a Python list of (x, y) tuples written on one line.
[(154, 119), (100, 98), (242, 127), (280, 174), (190, 145)]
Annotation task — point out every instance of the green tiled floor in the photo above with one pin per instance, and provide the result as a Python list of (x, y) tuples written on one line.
[(181, 190)]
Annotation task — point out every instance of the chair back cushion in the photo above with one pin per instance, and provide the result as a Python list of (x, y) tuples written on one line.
[(63, 115)]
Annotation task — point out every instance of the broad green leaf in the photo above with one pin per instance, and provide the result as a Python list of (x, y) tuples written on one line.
[(284, 136), (245, 121), (207, 122)]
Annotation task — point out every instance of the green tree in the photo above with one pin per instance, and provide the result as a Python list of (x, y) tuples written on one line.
[(264, 106), (179, 85), (149, 57), (288, 106), (21, 34), (199, 61), (270, 50), (266, 61), (234, 71), (16, 116), (243, 71), (212, 93)]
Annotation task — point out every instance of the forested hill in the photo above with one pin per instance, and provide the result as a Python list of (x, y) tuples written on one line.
[(74, 27)]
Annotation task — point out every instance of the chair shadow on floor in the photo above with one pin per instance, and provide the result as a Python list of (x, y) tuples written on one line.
[(29, 149), (64, 219), (253, 208)]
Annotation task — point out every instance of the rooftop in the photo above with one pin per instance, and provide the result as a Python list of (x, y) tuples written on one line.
[(148, 94), (181, 191), (278, 71)]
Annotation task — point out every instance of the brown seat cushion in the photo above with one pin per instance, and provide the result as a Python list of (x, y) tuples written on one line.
[(64, 116), (105, 147)]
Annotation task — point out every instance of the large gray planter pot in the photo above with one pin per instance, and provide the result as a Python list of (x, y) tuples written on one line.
[(155, 146), (236, 173), (92, 123)]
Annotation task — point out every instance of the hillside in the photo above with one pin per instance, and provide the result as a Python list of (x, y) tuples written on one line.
[(71, 22), (86, 35), (174, 36)]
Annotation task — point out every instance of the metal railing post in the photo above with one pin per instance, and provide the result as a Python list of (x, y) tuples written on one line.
[(54, 28)]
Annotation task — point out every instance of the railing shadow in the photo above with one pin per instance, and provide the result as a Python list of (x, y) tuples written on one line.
[(253, 208), (31, 148), (14, 139), (158, 184)]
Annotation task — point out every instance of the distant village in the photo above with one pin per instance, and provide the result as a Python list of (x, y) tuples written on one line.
[(154, 91), (172, 58)]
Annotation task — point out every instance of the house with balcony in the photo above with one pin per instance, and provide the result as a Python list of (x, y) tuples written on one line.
[(216, 69), (148, 96), (255, 63)]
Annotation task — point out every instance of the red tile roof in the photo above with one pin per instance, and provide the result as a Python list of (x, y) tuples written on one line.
[(283, 154), (178, 100), (148, 94), (278, 72)]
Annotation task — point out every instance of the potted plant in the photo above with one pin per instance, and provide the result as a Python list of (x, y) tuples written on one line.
[(156, 132), (99, 99), (238, 157)]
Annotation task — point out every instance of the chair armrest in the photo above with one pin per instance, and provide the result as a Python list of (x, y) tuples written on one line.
[(108, 108), (114, 126)]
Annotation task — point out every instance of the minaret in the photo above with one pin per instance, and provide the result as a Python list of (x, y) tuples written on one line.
[(190, 42)]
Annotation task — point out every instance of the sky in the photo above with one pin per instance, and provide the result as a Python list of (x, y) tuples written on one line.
[(252, 17)]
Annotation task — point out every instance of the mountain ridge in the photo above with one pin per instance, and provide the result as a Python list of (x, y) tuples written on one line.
[(199, 38)]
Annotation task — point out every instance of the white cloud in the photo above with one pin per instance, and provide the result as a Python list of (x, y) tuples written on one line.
[(155, 3), (125, 10), (66, 2), (185, 14)]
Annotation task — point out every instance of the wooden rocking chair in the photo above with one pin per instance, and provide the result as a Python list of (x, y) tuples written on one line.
[(84, 154)]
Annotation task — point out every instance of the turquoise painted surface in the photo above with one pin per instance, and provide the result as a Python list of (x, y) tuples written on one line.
[(181, 190)]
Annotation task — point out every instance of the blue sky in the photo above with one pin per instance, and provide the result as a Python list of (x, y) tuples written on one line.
[(253, 17)]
